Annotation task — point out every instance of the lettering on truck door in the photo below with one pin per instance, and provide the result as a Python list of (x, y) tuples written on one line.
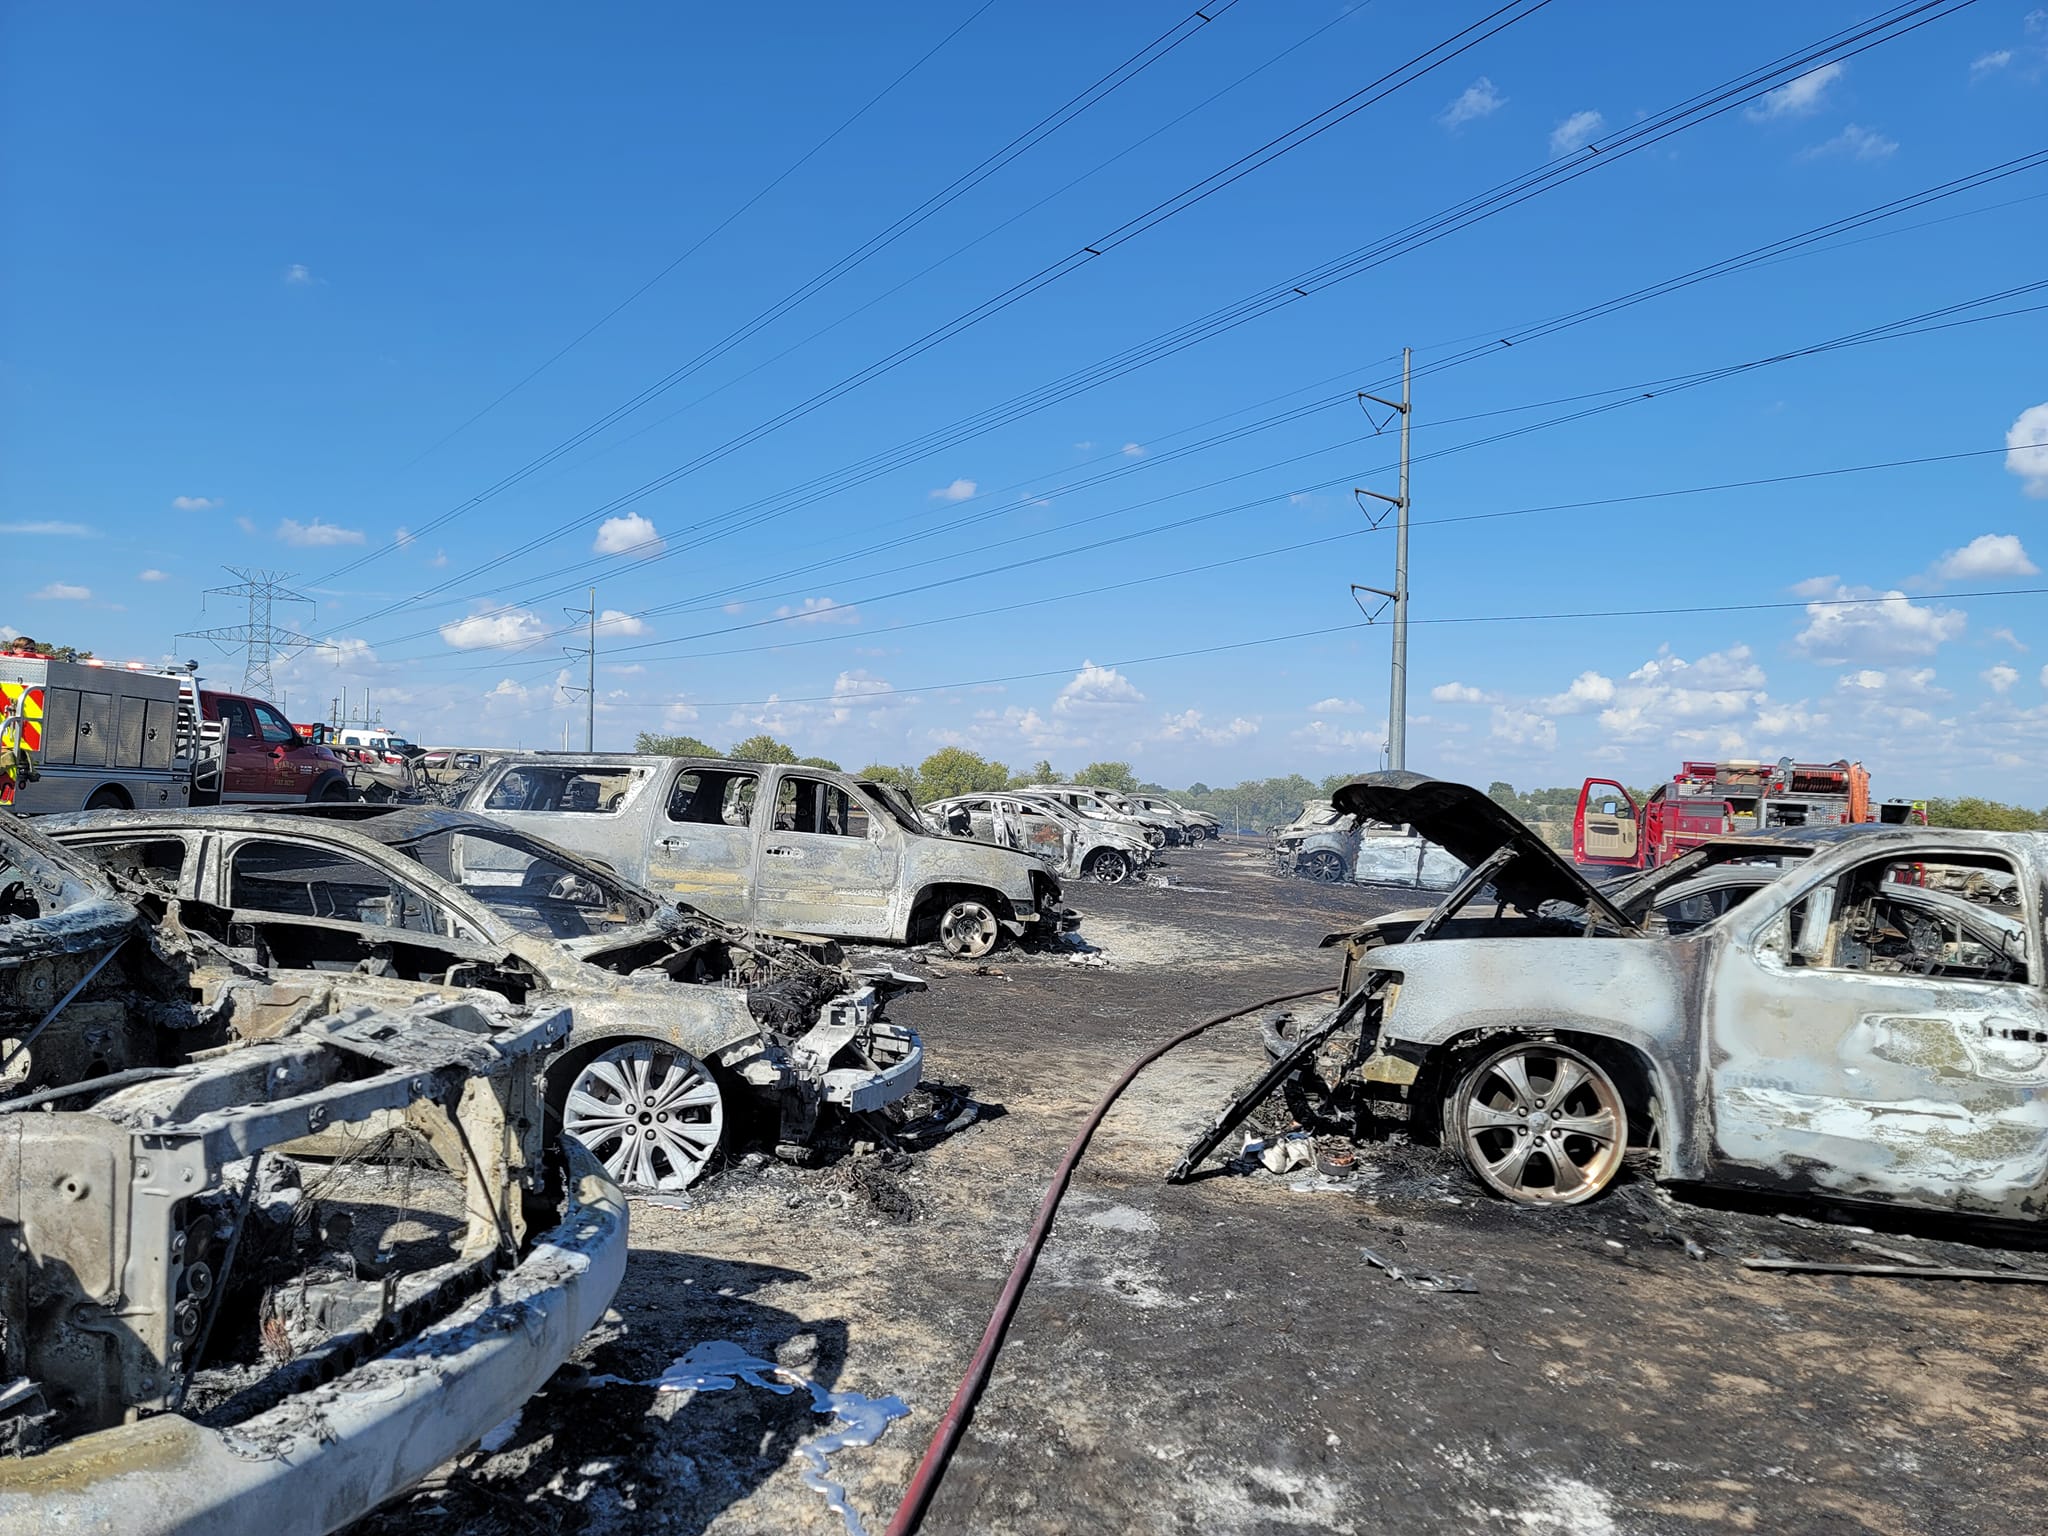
[(828, 865), (703, 841)]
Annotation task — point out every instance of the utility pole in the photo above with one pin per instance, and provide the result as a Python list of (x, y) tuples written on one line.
[(589, 688), (1397, 700), (263, 641)]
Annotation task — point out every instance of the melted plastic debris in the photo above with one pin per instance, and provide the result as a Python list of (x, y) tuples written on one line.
[(858, 1420)]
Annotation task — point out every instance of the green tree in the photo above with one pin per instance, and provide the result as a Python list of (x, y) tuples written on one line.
[(1336, 781), (904, 778), (674, 746), (1041, 773), (1116, 776), (821, 762), (1197, 790), (957, 771), (1982, 815), (762, 749)]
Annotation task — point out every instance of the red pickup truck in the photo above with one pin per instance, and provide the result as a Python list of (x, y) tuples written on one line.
[(268, 762)]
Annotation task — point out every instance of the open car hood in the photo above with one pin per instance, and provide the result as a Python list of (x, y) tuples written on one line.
[(1471, 828)]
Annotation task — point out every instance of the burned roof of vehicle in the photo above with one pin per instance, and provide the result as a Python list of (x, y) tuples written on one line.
[(1473, 828)]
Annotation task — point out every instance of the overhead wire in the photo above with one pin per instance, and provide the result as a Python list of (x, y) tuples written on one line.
[(1702, 107)]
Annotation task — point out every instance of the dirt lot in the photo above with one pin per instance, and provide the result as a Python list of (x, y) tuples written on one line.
[(1219, 1357)]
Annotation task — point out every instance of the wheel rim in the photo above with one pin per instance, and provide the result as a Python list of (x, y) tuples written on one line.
[(1325, 865), (1110, 867), (1542, 1125), (653, 1116), (968, 930)]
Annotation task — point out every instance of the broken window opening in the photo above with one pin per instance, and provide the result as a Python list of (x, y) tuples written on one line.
[(714, 797), (295, 880)]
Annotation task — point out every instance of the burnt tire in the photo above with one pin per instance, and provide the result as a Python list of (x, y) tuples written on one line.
[(1325, 865), (1539, 1123), (968, 929), (108, 798), (335, 793), (1110, 866)]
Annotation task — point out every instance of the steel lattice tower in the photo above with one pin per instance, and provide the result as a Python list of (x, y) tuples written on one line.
[(261, 639)]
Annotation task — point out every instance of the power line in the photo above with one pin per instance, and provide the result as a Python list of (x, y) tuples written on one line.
[(1760, 255), (261, 640), (1405, 74), (702, 240), (1700, 108), (1121, 75)]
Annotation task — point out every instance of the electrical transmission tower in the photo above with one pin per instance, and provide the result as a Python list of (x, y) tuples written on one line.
[(1397, 596), (589, 654), (262, 640)]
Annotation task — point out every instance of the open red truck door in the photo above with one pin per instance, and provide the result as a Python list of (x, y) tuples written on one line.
[(1607, 829)]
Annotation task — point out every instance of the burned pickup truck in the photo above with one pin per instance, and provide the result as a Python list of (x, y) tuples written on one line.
[(679, 1021), (1852, 1026), (202, 1327)]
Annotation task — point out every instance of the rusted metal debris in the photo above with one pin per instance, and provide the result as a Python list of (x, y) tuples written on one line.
[(1845, 1021)]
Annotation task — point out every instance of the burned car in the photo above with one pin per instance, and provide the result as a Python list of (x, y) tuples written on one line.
[(1077, 846), (1850, 1028), (1319, 844), (199, 1316), (678, 1019)]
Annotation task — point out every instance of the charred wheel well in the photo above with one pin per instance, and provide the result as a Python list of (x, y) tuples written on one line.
[(934, 899), (1626, 1064)]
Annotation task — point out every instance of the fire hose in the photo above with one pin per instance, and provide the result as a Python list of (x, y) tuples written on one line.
[(924, 1483)]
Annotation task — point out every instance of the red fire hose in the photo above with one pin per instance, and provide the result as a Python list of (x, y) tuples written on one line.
[(946, 1438)]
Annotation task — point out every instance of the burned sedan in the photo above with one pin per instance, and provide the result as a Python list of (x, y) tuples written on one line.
[(678, 1019), (1076, 846), (1853, 1028)]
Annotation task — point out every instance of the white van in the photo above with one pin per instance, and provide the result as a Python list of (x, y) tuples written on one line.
[(376, 739)]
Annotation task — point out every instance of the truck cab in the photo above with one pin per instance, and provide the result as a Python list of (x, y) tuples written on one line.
[(778, 846), (267, 761)]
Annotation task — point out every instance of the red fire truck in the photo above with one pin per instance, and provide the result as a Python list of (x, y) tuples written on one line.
[(1705, 800)]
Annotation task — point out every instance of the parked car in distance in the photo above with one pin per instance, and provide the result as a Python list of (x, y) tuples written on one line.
[(1196, 824), (1076, 847), (1319, 844), (777, 846), (1091, 803), (675, 1016), (267, 760), (1857, 1027)]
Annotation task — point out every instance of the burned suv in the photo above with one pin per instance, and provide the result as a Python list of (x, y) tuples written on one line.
[(1866, 1023)]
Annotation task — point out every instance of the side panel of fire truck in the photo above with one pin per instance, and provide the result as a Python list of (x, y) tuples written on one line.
[(74, 736)]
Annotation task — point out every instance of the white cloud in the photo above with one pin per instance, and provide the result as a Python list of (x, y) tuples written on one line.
[(1892, 684), (1321, 737), (1854, 141), (630, 669), (440, 559), (1989, 554), (1861, 624), (1479, 99), (1589, 690), (1668, 692), (1096, 690), (316, 534), (1797, 98), (405, 538), (299, 275), (1336, 706), (1188, 726), (819, 610), (849, 687), (1986, 63), (63, 592), (152, 574), (53, 530), (2026, 450), (1134, 450), (500, 629), (1460, 693), (1523, 728), (678, 713), (2007, 637), (615, 622), (245, 525), (630, 534), (1793, 720), (197, 503), (1575, 132), (959, 490), (2000, 677), (347, 651)]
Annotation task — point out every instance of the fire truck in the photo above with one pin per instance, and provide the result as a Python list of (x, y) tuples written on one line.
[(87, 735), (1705, 800)]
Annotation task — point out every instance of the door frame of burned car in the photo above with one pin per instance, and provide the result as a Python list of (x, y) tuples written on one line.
[(1846, 1032), (703, 1034)]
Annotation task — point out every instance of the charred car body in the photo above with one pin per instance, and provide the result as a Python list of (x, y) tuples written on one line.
[(200, 1328), (1077, 846), (678, 1019), (1847, 1028), (1319, 844), (786, 848)]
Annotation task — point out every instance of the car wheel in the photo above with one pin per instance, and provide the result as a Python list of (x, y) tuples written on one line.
[(969, 930), (107, 798), (1110, 867), (1541, 1124), (336, 792), (651, 1114), (1324, 864)]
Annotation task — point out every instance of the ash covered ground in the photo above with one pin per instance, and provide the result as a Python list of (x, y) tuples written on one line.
[(1220, 1357)]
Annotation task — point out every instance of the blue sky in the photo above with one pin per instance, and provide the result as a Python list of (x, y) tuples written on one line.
[(264, 268)]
